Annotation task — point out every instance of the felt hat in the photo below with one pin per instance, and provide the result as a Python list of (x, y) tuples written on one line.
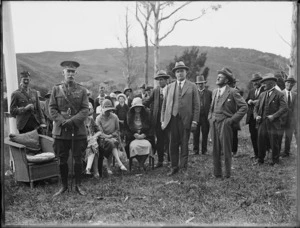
[(48, 94), (200, 79), (107, 105), (121, 95), (137, 102), (25, 74), (269, 76), (256, 77), (70, 65), (143, 86), (117, 92), (227, 72), (180, 65), (127, 89), (290, 79), (148, 88), (161, 74)]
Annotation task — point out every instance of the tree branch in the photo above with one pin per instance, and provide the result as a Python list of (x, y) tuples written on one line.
[(180, 7)]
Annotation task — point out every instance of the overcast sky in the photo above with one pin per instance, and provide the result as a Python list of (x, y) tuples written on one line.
[(72, 26)]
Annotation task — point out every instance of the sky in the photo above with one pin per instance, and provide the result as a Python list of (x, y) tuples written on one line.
[(73, 26)]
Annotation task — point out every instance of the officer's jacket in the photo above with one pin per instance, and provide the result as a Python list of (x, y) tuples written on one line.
[(19, 100), (75, 107)]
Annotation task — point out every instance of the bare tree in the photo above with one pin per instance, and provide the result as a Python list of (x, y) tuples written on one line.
[(128, 57), (143, 13), (293, 56), (158, 8)]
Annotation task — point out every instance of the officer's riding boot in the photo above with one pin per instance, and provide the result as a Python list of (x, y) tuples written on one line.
[(64, 179), (77, 171)]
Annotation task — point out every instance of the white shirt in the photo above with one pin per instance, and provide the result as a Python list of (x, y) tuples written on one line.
[(182, 83), (221, 90), (287, 94)]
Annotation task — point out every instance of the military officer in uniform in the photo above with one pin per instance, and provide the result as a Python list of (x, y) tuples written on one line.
[(69, 107), (25, 106)]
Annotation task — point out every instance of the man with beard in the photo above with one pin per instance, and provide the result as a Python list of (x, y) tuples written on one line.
[(25, 106), (69, 107)]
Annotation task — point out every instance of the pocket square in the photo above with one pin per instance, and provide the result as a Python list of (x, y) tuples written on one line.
[(228, 100)]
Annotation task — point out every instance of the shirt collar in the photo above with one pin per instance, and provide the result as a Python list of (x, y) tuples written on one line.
[(182, 82)]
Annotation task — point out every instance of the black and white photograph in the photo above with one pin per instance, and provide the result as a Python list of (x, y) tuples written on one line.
[(150, 113)]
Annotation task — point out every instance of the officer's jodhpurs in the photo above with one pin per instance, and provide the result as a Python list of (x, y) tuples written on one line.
[(62, 148)]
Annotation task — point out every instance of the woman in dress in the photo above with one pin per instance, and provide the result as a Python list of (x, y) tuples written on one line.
[(139, 137)]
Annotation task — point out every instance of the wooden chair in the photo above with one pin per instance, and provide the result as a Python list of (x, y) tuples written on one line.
[(150, 157), (29, 172)]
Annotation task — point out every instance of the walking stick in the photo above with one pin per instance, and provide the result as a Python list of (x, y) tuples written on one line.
[(72, 151)]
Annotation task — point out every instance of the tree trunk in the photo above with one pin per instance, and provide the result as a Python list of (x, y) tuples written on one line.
[(156, 46), (293, 57), (146, 57)]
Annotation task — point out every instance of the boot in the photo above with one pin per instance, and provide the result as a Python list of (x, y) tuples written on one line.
[(77, 171), (64, 179)]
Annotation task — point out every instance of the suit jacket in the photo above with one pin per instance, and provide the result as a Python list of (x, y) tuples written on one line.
[(155, 108), (233, 106), (190, 100), (207, 98), (277, 107), (251, 96), (58, 107), (290, 117), (20, 99)]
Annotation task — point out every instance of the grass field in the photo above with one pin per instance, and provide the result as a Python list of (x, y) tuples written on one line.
[(254, 195)]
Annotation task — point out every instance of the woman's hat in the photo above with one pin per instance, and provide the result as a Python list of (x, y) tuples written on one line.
[(256, 77), (180, 65), (121, 95), (117, 92), (161, 74), (226, 72), (200, 79), (107, 105), (137, 102), (113, 95), (127, 89)]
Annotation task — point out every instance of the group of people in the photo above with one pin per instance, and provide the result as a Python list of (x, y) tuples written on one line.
[(158, 120)]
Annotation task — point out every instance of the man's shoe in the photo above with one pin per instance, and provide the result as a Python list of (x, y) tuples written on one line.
[(159, 164), (283, 155), (80, 191), (60, 191), (173, 171)]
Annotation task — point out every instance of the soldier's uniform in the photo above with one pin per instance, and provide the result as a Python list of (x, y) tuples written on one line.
[(27, 120), (69, 103)]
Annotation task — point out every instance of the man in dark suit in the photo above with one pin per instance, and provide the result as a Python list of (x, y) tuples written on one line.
[(290, 118), (180, 115), (252, 100), (227, 109), (205, 97), (156, 99), (268, 111), (25, 106)]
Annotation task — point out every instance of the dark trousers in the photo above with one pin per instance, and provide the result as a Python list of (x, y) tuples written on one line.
[(161, 138), (178, 137), (62, 148), (268, 135), (253, 135), (204, 126), (235, 141), (288, 132), (221, 133)]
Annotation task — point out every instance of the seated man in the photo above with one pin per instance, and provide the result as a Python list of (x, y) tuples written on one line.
[(139, 137), (108, 123)]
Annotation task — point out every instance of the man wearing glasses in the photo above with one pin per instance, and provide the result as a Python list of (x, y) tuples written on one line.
[(69, 107)]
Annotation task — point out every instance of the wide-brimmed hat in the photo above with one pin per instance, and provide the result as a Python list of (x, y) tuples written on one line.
[(200, 79), (127, 89), (180, 65), (256, 77), (290, 79), (24, 74), (137, 102), (226, 72), (161, 74), (113, 95), (117, 92), (107, 105), (70, 64), (121, 95), (48, 94), (269, 76)]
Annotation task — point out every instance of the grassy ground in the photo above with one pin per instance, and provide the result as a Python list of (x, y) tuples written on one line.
[(263, 195)]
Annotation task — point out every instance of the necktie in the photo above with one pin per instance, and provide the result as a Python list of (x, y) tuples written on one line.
[(256, 92), (180, 89), (289, 98), (219, 93)]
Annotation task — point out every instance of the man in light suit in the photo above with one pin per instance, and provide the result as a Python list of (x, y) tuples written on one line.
[(180, 116), (155, 102), (227, 109), (205, 97), (268, 114), (290, 118), (252, 100)]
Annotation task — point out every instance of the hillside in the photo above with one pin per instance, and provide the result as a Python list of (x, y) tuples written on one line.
[(100, 65)]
